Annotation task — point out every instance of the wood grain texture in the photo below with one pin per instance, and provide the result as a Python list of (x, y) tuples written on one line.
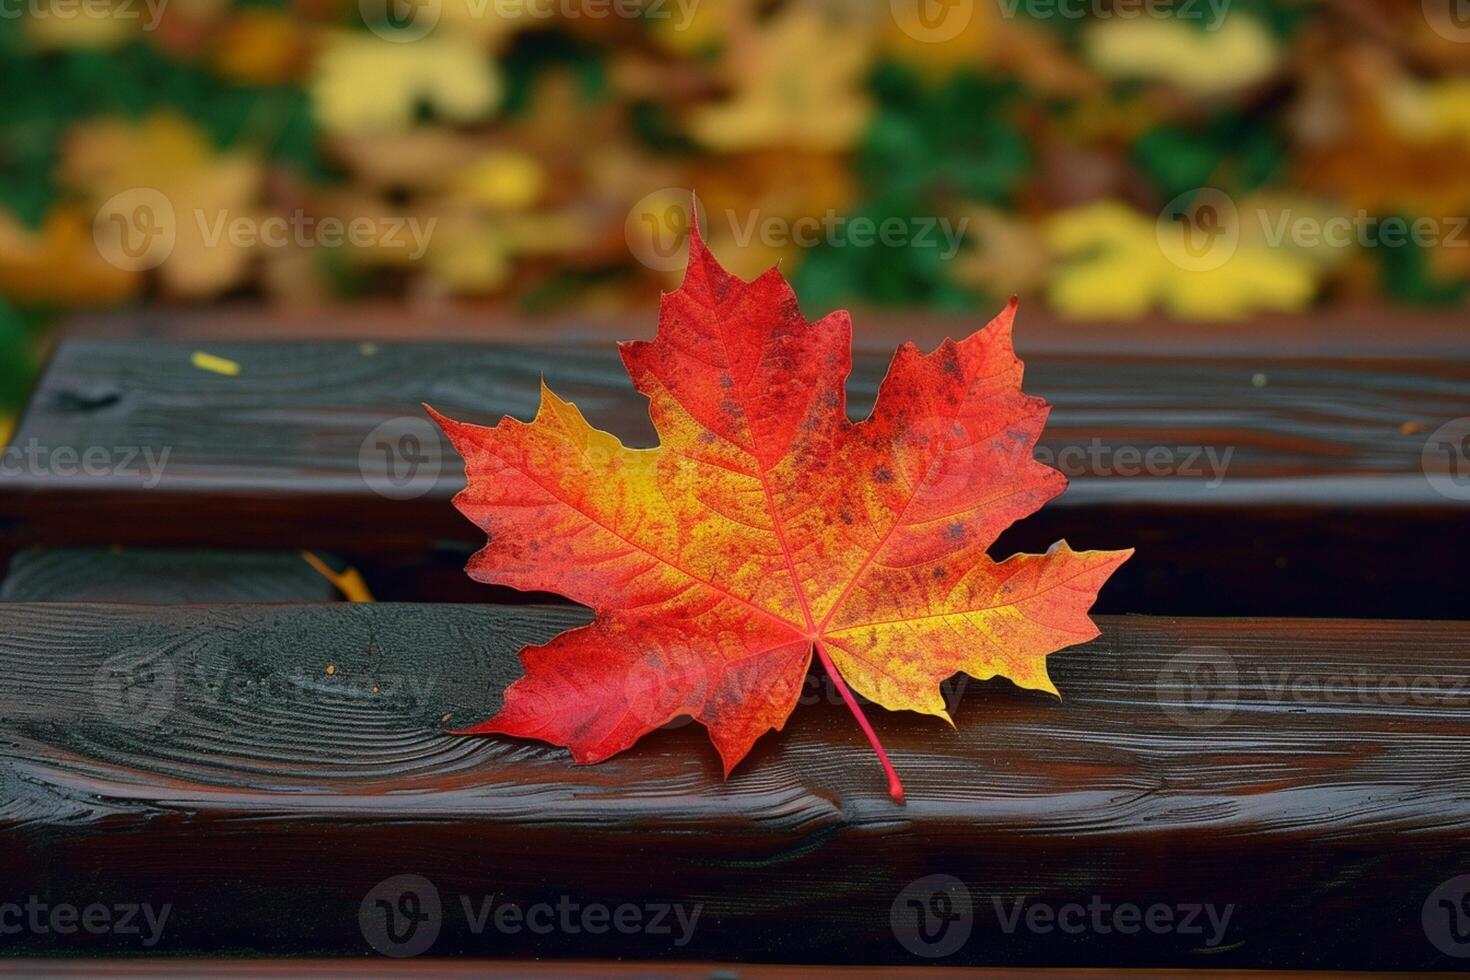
[(261, 768), (1354, 330), (647, 970), (1317, 508), (164, 576)]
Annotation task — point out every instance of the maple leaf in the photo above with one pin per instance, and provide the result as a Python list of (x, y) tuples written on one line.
[(766, 526)]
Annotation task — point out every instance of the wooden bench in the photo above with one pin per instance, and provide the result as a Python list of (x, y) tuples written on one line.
[(184, 722), (1271, 476)]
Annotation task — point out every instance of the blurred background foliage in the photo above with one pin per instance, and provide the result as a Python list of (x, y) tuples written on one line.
[(547, 139)]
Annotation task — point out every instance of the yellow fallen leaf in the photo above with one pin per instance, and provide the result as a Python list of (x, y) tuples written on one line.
[(1003, 255), (349, 582), (214, 364), (1428, 111), (162, 176), (501, 179), (365, 84), (474, 253), (799, 84), (1109, 263), (60, 263), (1238, 52)]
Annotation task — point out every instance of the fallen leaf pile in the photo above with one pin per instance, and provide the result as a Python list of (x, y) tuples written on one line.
[(535, 138), (766, 527)]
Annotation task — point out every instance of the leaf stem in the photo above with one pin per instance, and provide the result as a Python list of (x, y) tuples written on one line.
[(895, 788)]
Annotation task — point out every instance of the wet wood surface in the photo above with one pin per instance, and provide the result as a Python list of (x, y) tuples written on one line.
[(165, 576), (263, 768), (647, 970), (1272, 482)]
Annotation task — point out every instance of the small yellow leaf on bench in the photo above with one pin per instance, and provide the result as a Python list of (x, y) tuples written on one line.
[(217, 365)]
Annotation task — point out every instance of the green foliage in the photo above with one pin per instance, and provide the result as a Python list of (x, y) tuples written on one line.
[(1405, 274), (954, 139), (17, 354), (1233, 152), (926, 147)]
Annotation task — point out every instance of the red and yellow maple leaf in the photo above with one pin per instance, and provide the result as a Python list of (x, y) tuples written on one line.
[(767, 526)]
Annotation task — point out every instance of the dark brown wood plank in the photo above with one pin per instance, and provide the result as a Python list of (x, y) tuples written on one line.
[(647, 970), (1351, 331), (262, 768), (170, 576), (1279, 484)]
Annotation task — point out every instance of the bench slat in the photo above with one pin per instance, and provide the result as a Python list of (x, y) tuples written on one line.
[(263, 766), (172, 576), (1320, 507)]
